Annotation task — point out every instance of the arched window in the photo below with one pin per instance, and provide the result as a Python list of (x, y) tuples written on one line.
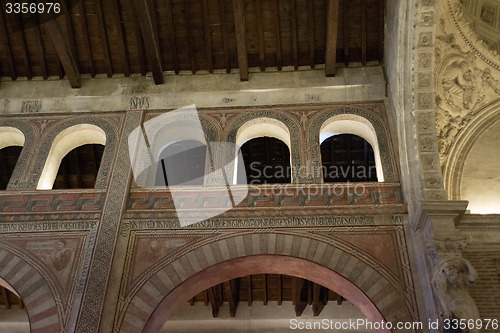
[(265, 146), (11, 145), (181, 162), (8, 160), (347, 158), (267, 161), (64, 143), (351, 141), (78, 169)]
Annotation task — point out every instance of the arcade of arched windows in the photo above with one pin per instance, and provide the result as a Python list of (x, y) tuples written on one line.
[(275, 148)]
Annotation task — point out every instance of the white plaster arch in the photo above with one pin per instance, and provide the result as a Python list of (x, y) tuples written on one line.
[(263, 127), (11, 136), (69, 139), (258, 128), (356, 125)]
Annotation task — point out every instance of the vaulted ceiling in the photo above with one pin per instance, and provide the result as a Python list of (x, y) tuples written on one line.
[(139, 36)]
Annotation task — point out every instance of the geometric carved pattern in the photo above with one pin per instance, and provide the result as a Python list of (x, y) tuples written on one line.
[(54, 202)]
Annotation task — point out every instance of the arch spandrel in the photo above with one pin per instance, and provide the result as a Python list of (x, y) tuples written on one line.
[(163, 288)]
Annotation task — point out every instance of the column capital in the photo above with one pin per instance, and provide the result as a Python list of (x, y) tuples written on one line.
[(440, 215)]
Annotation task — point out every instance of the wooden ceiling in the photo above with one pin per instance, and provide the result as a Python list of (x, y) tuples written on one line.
[(264, 288), (138, 36)]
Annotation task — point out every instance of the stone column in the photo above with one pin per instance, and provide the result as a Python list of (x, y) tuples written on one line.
[(446, 296)]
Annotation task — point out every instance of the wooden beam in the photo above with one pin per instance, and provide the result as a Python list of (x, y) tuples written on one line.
[(231, 293), (147, 22), (225, 38), (80, 11), (264, 290), (21, 40), (381, 13), (10, 59), (331, 36), (40, 49), (260, 32), (298, 304), (67, 58), (189, 37), (309, 292), (277, 32), (138, 37), (241, 37), (213, 301), (5, 295), (116, 27), (69, 26), (317, 306), (171, 35), (293, 27), (363, 32), (325, 296), (310, 20), (104, 37), (208, 36), (345, 18), (280, 289), (249, 290)]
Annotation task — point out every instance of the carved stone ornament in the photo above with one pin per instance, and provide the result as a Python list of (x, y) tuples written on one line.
[(450, 279)]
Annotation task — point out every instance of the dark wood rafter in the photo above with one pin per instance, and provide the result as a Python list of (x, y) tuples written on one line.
[(298, 304), (171, 35), (116, 27), (249, 290), (39, 48), (212, 297), (189, 38), (310, 30), (264, 290), (280, 289), (119, 37), (293, 29), (138, 37), (232, 296), (69, 26), (345, 18), (241, 37), (277, 33), (208, 36), (260, 33), (103, 37), (5, 297), (67, 58), (331, 36), (363, 31), (21, 41), (317, 303), (380, 35), (10, 59), (225, 37), (80, 12), (149, 31), (266, 287)]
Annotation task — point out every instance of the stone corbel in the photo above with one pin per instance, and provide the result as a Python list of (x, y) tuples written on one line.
[(439, 217)]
